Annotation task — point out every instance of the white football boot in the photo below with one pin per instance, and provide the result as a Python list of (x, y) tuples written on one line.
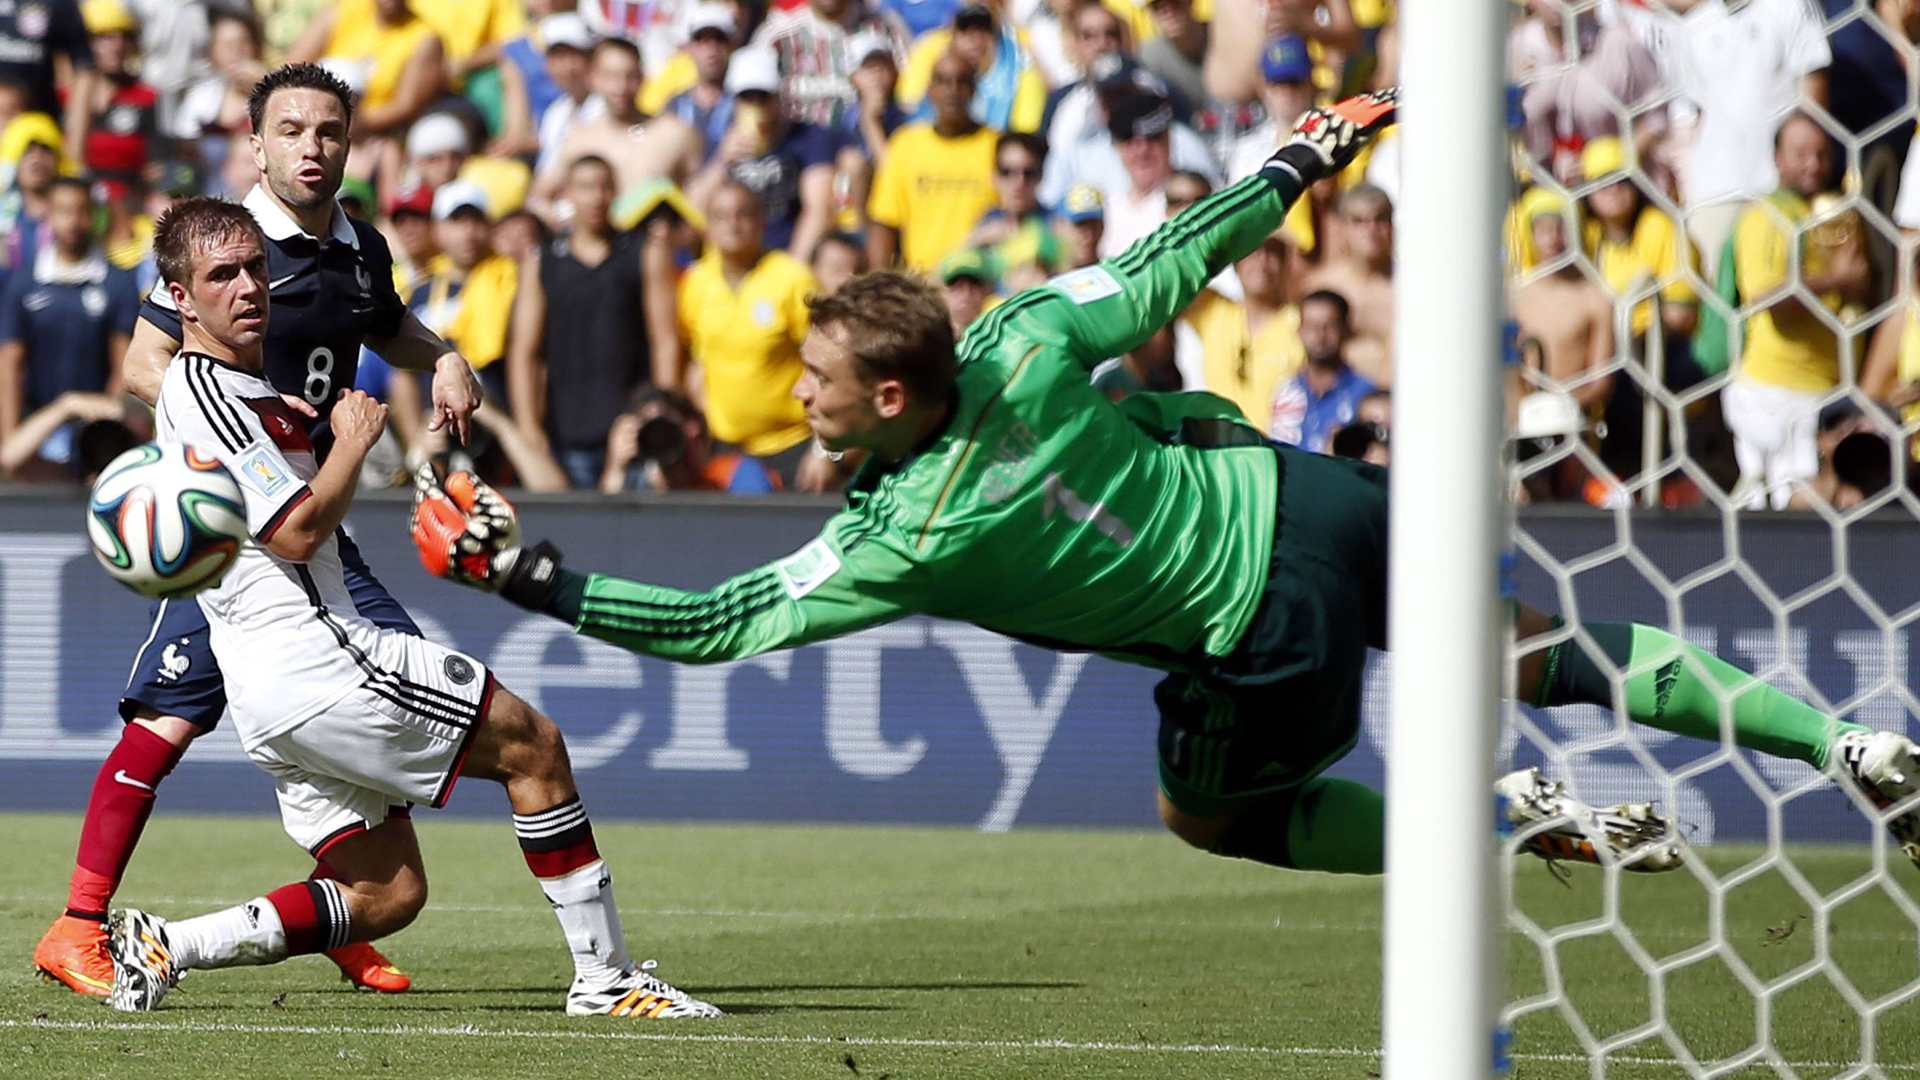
[(1637, 838), (638, 994), (143, 960), (1885, 766)]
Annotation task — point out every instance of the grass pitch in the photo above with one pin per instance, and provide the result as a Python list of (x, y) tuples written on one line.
[(867, 952)]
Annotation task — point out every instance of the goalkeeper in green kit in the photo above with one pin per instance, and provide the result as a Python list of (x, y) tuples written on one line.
[(1002, 489)]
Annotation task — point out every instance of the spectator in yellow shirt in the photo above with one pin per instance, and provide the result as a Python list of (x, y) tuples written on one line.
[(387, 53), (743, 314), (1011, 95), (1248, 349), (1630, 240), (937, 179), (1791, 358)]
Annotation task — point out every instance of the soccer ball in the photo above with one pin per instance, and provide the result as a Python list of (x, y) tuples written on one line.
[(166, 520)]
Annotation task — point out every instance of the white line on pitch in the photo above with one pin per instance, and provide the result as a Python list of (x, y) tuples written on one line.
[(469, 1031)]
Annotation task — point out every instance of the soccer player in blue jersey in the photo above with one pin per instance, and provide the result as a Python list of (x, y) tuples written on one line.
[(331, 282)]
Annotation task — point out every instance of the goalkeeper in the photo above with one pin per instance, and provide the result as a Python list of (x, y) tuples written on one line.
[(1002, 489)]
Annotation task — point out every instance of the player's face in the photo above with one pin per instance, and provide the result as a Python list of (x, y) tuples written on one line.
[(302, 149), (228, 300), (844, 411)]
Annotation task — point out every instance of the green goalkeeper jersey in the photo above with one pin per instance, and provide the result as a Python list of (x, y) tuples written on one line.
[(1041, 509)]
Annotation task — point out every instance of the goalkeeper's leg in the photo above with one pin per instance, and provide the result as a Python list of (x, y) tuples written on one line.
[(1669, 684)]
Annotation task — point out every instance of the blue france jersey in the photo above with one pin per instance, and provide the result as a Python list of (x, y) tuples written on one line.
[(328, 297)]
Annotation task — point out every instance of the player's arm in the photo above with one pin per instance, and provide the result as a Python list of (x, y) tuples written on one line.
[(145, 362), (1114, 306), (456, 392), (357, 421), (847, 579)]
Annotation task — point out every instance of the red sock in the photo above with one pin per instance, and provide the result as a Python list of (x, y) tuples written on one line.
[(117, 811), (313, 913)]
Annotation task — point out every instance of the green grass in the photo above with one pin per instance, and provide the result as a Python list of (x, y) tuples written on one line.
[(844, 952)]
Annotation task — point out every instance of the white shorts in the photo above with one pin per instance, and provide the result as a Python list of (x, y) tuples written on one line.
[(398, 739), (1775, 438)]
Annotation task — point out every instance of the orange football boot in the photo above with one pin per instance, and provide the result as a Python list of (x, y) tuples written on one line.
[(362, 965), (74, 952)]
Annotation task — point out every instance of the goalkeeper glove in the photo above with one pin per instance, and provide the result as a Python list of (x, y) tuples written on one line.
[(467, 532), (1327, 140)]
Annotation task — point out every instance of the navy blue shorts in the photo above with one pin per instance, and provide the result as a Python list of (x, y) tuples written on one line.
[(175, 673)]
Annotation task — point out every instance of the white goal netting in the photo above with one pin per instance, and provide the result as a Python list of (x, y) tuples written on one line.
[(1745, 442)]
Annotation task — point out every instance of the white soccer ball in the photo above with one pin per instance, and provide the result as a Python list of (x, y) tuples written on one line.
[(166, 520)]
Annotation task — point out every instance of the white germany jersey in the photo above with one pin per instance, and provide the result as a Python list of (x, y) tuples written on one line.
[(284, 632)]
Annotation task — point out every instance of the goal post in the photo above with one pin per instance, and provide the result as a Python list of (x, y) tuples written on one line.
[(1448, 524)]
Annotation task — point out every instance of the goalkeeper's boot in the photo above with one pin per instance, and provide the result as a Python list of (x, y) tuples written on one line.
[(638, 994), (144, 968), (362, 965), (73, 951), (1634, 836), (1886, 768)]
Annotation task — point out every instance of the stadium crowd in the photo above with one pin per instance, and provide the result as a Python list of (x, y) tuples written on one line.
[(614, 210)]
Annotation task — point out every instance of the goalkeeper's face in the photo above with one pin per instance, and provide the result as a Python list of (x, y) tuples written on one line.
[(844, 407)]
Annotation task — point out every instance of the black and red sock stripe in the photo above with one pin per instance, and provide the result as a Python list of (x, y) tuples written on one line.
[(557, 840)]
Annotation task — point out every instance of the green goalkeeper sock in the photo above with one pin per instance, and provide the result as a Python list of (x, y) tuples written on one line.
[(1336, 826), (1678, 688)]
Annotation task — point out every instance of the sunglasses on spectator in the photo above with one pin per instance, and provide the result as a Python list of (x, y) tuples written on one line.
[(1011, 171)]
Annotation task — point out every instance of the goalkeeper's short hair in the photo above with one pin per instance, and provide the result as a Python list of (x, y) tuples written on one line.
[(896, 326)]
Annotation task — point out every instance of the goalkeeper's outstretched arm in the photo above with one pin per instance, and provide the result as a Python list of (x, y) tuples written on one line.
[(850, 578), (1111, 308)]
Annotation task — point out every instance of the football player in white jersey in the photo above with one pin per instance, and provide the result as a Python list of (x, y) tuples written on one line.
[(353, 721)]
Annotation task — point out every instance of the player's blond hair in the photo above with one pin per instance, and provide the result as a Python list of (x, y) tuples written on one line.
[(895, 324)]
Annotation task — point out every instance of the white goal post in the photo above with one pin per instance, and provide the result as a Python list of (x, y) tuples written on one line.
[(1448, 525)]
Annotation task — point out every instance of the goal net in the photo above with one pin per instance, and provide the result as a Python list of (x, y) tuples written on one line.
[(1720, 461)]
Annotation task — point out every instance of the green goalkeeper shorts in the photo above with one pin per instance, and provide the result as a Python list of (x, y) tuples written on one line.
[(1286, 703)]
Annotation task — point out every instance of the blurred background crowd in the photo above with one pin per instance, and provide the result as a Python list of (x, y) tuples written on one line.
[(615, 209)]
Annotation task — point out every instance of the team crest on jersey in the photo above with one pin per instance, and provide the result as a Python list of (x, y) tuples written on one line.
[(283, 427), (1009, 456), (38, 299), (808, 569), (263, 474), (763, 313), (94, 299), (121, 120), (459, 670), (362, 278)]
